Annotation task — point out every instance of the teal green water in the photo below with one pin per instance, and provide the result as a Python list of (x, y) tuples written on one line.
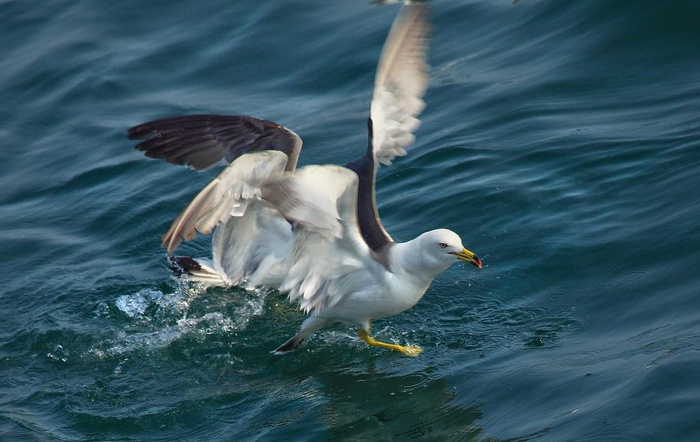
[(560, 139)]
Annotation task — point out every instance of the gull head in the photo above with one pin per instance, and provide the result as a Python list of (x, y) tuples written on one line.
[(443, 246)]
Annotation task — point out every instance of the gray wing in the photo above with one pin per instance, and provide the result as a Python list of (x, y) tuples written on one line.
[(202, 141), (228, 195), (401, 80)]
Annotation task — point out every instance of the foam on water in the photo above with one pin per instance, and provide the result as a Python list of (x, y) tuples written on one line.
[(155, 319), (135, 305)]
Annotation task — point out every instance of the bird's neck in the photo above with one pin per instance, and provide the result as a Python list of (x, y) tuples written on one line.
[(407, 258)]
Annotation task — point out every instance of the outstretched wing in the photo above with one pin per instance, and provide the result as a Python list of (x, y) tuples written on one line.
[(329, 259), (400, 83), (201, 141), (227, 195)]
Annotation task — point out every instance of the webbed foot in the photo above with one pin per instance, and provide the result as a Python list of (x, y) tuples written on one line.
[(408, 350)]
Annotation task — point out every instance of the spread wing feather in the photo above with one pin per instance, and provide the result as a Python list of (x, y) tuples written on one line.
[(329, 259), (227, 195), (202, 141), (401, 80)]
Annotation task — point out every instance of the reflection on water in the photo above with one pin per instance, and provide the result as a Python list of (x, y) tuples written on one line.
[(369, 406)]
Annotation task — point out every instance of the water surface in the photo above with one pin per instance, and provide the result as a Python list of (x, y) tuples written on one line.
[(559, 139)]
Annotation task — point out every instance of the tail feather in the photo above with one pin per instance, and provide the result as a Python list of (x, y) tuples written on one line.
[(200, 270)]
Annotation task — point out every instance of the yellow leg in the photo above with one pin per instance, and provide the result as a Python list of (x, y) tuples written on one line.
[(409, 350)]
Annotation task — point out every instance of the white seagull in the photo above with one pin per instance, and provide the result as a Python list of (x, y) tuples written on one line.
[(312, 232)]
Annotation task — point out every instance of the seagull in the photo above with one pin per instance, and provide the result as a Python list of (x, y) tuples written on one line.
[(312, 232)]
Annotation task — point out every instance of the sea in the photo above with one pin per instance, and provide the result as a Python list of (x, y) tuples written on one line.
[(561, 140)]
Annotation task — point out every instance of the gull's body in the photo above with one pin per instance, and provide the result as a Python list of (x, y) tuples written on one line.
[(313, 232)]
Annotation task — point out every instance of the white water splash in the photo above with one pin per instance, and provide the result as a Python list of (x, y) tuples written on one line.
[(135, 305), (166, 319)]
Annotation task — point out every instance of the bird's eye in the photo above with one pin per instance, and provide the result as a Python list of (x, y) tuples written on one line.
[(442, 245)]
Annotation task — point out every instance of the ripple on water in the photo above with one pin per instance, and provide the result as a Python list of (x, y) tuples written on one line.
[(482, 321), (632, 277)]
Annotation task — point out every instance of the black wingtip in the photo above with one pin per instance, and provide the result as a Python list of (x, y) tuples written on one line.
[(288, 346), (147, 130), (135, 133)]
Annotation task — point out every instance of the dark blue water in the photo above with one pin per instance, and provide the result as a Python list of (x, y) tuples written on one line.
[(560, 139)]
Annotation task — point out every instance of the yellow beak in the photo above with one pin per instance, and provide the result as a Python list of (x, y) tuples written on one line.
[(470, 257)]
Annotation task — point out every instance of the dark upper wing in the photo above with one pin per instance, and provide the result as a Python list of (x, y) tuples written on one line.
[(365, 167), (201, 141), (400, 83)]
